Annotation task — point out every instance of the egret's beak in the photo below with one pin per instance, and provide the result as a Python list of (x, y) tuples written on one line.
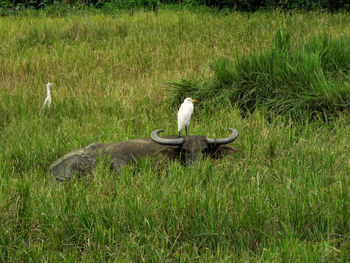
[(194, 100)]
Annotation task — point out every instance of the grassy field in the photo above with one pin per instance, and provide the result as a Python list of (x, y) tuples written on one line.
[(284, 197)]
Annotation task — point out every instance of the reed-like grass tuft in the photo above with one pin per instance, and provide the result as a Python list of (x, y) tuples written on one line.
[(309, 78)]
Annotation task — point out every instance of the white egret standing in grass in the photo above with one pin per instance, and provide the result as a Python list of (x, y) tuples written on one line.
[(47, 101), (184, 114)]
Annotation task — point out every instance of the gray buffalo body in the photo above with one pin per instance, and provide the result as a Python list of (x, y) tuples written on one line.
[(187, 149)]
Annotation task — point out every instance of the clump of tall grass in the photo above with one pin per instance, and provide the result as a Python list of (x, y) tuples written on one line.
[(309, 78)]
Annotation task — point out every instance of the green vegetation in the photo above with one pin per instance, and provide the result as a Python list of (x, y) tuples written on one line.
[(284, 197), (311, 78), (242, 5)]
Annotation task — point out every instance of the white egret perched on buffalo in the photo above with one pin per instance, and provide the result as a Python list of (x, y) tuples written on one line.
[(47, 101), (184, 114)]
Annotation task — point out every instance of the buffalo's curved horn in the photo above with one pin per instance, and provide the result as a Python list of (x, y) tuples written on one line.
[(231, 138), (164, 141)]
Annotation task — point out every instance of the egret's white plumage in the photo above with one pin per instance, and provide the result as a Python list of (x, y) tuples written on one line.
[(184, 114), (47, 101)]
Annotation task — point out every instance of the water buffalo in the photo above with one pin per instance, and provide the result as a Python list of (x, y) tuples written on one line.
[(187, 149)]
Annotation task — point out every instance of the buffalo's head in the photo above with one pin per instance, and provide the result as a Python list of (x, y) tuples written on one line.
[(192, 147)]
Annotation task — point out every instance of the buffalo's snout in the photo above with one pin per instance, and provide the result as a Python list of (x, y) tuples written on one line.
[(193, 149)]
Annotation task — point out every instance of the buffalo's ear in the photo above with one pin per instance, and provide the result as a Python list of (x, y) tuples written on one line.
[(224, 150)]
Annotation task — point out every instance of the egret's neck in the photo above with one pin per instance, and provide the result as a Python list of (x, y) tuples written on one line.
[(48, 90)]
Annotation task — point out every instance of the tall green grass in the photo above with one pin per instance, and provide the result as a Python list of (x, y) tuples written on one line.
[(283, 197), (309, 78)]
